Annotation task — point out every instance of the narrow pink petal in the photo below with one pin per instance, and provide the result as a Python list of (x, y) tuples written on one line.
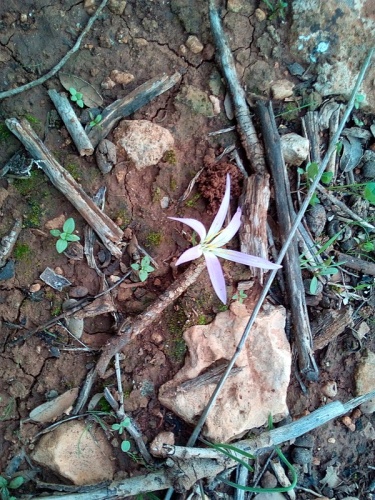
[(189, 254), (194, 224), (244, 258), (216, 276), (228, 233), (219, 219)]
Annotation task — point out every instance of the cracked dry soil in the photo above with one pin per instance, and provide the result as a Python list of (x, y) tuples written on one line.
[(146, 40)]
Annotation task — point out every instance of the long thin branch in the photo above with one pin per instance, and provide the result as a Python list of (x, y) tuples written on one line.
[(55, 69)]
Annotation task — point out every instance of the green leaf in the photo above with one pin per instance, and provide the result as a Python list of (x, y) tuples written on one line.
[(72, 237), (329, 270), (312, 170), (3, 482), (4, 494), (314, 200), (69, 225), (143, 275), (125, 446), (55, 232), (145, 261), (80, 103), (327, 177), (148, 269), (368, 246), (72, 91), (126, 422), (115, 427), (61, 245), (135, 267), (16, 482), (369, 192), (313, 285)]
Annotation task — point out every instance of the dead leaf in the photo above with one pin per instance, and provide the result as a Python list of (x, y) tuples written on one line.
[(331, 479), (91, 97)]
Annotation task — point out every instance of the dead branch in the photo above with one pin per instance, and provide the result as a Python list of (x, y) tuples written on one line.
[(355, 263), (124, 107), (55, 69), (293, 276), (130, 329), (8, 241), (109, 233), (188, 465), (329, 325), (72, 123)]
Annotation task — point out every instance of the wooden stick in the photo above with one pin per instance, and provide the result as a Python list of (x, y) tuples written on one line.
[(124, 107), (293, 276), (329, 325), (363, 266), (109, 233), (72, 123), (130, 329), (8, 241), (55, 69)]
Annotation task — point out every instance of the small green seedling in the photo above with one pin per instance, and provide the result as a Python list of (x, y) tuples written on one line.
[(95, 120), (6, 485), (310, 173), (144, 268), (76, 97), (359, 98), (240, 296), (65, 236), (125, 445), (277, 8)]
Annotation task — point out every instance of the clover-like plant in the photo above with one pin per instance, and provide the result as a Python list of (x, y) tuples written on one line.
[(6, 485), (65, 236), (144, 268), (95, 120), (240, 296), (76, 97), (211, 244), (120, 428)]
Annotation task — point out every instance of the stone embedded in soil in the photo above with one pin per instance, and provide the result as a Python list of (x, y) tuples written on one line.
[(249, 396), (50, 410), (365, 380), (76, 453), (143, 142), (195, 99), (281, 89), (78, 292), (156, 447), (295, 148)]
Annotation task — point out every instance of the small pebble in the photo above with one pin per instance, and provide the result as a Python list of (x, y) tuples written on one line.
[(7, 272), (301, 456), (59, 271), (260, 15), (78, 292), (329, 389), (121, 77), (269, 480), (306, 441), (331, 440), (194, 44), (35, 287)]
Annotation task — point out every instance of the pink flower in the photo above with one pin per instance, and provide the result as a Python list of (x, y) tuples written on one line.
[(211, 244)]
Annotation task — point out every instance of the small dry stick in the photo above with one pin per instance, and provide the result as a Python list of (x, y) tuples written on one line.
[(54, 70), (129, 330), (7, 243)]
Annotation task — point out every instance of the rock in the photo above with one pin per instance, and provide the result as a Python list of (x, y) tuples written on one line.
[(143, 142), (55, 223), (74, 325), (49, 411), (368, 169), (260, 15), (77, 292), (121, 77), (268, 480), (329, 389), (269, 496), (281, 89), (305, 441), (117, 6), (3, 194), (107, 84), (194, 44), (8, 271), (365, 380), (295, 148), (301, 456), (35, 287), (316, 217), (156, 447), (76, 454), (195, 99), (106, 156), (250, 395)]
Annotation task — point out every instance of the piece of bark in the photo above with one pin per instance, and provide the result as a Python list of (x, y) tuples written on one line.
[(291, 264), (121, 108), (253, 230), (363, 266), (329, 325), (131, 328), (249, 138), (72, 123), (109, 233), (8, 241)]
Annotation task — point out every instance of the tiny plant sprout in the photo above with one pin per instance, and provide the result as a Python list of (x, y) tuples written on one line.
[(125, 445), (95, 120), (6, 485), (65, 236), (240, 296), (76, 97), (144, 268)]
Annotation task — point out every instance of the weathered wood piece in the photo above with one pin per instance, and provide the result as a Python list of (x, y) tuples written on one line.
[(121, 108), (363, 266), (131, 328), (253, 230), (198, 463), (329, 325), (7, 242), (72, 123), (108, 232), (295, 288)]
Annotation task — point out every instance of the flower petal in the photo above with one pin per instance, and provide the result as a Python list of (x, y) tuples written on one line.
[(215, 272), (219, 219), (244, 258), (194, 224), (189, 254), (227, 234)]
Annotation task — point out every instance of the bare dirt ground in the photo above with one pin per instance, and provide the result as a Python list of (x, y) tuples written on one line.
[(146, 40)]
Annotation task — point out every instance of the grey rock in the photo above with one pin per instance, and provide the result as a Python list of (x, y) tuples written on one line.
[(301, 456), (368, 169), (306, 441), (316, 218), (106, 156), (8, 271)]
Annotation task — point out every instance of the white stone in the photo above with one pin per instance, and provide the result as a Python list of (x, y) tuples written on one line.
[(281, 89), (365, 380), (295, 148), (50, 410), (77, 453), (249, 396), (143, 142)]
